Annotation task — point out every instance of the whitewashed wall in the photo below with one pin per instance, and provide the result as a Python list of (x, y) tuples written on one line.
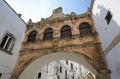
[(108, 32), (113, 60), (67, 67), (10, 22), (52, 70), (44, 72)]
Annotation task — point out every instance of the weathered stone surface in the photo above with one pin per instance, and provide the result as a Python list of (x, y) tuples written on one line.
[(88, 45)]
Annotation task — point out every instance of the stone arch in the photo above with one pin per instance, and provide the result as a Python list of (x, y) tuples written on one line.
[(30, 72), (85, 22)]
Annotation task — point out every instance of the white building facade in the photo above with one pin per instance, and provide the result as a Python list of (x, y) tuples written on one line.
[(12, 29), (64, 69), (106, 16)]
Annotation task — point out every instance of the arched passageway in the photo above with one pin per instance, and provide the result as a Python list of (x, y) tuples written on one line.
[(31, 71)]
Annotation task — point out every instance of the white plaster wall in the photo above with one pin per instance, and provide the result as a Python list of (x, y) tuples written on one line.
[(113, 60), (52, 69), (68, 68), (75, 71), (112, 5), (10, 22), (44, 73), (54, 66), (108, 32)]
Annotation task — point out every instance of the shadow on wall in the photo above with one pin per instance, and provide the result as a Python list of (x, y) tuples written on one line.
[(107, 32)]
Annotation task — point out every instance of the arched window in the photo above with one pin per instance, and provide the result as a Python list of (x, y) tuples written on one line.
[(85, 29), (32, 36), (66, 31), (48, 34)]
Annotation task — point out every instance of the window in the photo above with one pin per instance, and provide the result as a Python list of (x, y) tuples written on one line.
[(0, 75), (60, 69), (67, 62), (66, 31), (39, 75), (48, 34), (85, 29), (108, 17), (73, 76), (71, 66), (8, 42), (32, 36)]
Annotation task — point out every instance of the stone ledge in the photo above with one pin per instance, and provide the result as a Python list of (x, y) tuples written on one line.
[(7, 52)]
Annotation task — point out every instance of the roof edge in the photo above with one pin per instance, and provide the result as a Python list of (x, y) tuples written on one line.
[(14, 11)]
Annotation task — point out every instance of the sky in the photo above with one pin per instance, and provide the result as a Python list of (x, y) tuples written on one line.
[(37, 9)]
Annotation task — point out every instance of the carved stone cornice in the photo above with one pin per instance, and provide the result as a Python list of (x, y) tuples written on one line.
[(67, 17)]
